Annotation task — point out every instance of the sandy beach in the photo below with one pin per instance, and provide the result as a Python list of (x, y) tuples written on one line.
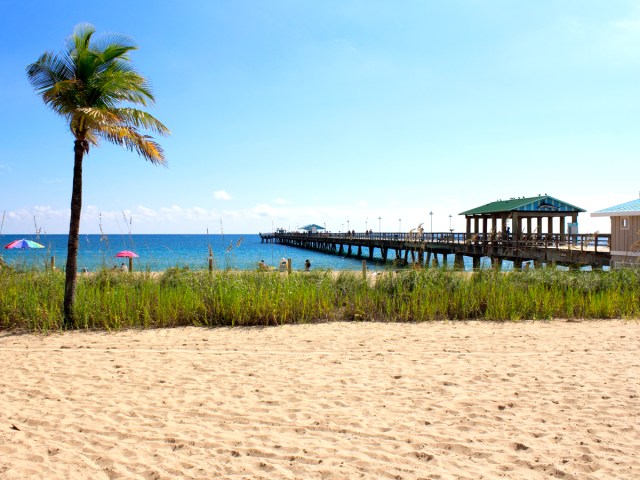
[(329, 401)]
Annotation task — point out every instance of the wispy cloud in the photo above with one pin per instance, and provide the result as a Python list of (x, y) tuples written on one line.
[(221, 195)]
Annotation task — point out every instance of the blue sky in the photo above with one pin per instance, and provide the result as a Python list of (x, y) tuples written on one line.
[(289, 112)]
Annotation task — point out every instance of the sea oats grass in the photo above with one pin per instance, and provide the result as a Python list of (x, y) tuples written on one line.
[(113, 300)]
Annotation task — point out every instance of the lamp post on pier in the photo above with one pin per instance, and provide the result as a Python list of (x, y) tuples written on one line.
[(379, 224), (400, 225), (348, 227), (366, 224), (450, 229), (431, 214)]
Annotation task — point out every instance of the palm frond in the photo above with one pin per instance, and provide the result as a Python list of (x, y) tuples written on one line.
[(131, 139), (48, 70), (141, 119)]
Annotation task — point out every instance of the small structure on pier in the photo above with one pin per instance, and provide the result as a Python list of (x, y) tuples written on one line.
[(312, 228), (625, 232), (493, 217)]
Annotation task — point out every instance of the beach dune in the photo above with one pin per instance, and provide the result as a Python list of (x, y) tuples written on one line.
[(328, 401)]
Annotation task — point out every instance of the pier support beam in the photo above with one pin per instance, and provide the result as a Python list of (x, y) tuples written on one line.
[(458, 262), (476, 262)]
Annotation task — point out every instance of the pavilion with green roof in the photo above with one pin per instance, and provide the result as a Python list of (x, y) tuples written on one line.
[(522, 211)]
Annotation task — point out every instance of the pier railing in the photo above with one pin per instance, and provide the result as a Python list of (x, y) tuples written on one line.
[(594, 242)]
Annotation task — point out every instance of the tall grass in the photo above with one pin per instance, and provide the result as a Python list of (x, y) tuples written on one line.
[(109, 300)]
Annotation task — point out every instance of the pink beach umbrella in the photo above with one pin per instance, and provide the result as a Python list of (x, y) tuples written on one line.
[(127, 254)]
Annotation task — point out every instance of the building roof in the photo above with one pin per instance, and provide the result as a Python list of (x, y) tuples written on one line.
[(628, 208), (541, 203), (311, 226)]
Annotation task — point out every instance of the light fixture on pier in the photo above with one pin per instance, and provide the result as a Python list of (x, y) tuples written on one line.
[(431, 213), (399, 225), (379, 224), (450, 229)]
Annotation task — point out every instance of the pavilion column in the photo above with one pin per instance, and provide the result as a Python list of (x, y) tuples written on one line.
[(550, 225), (494, 224), (539, 228), (515, 220), (504, 225), (562, 228), (484, 224), (476, 222), (529, 225), (468, 224)]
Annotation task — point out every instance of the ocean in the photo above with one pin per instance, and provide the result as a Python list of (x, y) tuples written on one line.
[(160, 252)]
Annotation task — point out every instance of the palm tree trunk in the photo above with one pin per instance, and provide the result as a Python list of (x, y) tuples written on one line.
[(74, 232)]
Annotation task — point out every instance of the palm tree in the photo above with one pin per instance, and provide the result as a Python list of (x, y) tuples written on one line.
[(87, 83)]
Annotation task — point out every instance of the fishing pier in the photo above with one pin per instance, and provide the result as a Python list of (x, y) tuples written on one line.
[(541, 229), (431, 249)]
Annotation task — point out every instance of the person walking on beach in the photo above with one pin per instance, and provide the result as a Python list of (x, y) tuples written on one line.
[(307, 265)]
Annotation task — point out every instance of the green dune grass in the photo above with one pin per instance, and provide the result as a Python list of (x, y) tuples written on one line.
[(32, 300)]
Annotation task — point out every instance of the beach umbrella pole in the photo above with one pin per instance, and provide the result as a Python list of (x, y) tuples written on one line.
[(131, 264)]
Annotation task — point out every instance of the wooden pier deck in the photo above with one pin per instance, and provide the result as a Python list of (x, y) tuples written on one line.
[(575, 250)]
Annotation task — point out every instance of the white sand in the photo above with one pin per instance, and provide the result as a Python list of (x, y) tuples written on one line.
[(331, 401)]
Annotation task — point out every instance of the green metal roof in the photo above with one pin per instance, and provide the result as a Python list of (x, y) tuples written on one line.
[(541, 203)]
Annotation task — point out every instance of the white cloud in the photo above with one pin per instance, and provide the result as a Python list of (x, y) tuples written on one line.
[(221, 195), (281, 201), (264, 210)]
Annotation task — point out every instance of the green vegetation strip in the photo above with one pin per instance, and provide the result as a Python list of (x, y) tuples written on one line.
[(178, 297)]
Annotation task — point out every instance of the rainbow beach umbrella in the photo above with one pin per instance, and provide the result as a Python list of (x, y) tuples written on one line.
[(23, 243)]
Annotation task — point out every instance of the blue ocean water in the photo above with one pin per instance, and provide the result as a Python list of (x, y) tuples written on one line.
[(159, 252)]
